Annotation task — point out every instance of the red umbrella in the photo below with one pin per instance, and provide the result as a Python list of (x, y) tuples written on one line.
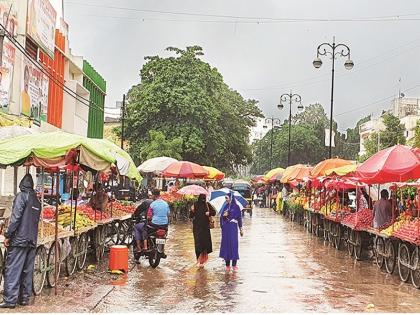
[(399, 163), (192, 190), (184, 169)]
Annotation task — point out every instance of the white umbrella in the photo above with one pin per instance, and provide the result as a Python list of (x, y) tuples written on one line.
[(156, 165)]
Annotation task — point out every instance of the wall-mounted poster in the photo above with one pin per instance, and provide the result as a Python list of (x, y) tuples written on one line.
[(8, 17), (34, 92), (6, 74), (41, 24)]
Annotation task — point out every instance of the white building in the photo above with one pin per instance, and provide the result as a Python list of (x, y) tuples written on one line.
[(405, 108)]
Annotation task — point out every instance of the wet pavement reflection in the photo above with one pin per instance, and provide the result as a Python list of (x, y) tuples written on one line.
[(282, 269)]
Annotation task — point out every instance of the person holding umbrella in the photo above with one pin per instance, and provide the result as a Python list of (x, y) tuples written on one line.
[(200, 213), (230, 222)]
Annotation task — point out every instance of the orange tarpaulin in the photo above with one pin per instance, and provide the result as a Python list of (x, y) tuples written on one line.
[(295, 173)]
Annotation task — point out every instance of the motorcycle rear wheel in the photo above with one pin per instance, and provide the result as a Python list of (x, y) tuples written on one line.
[(154, 259)]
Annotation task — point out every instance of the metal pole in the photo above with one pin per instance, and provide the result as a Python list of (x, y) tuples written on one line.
[(332, 98), (122, 122), (56, 256), (290, 127), (271, 145)]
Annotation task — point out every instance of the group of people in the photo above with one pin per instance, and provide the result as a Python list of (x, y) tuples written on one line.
[(154, 213)]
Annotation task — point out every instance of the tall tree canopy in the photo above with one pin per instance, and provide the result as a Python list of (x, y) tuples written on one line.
[(307, 141), (185, 99)]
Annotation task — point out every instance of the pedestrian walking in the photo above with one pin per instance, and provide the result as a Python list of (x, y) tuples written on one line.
[(201, 214), (20, 240), (230, 222)]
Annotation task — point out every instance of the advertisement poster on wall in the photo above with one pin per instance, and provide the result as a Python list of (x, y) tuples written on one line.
[(41, 24), (8, 17), (34, 92), (6, 74)]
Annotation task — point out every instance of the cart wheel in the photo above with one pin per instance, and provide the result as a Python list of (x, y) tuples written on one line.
[(51, 265), (350, 246), (391, 257), (82, 249), (358, 246), (338, 235), (99, 245), (40, 269), (415, 272), (71, 259), (112, 235), (129, 230), (403, 262), (379, 251)]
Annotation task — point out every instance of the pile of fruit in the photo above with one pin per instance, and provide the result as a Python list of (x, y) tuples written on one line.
[(122, 206), (90, 213), (401, 220), (329, 208), (360, 220), (46, 229), (66, 217), (170, 197), (49, 213), (409, 231)]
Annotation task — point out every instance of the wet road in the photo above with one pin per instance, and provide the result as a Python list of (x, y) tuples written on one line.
[(282, 269)]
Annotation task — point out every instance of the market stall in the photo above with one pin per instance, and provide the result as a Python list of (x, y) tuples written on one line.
[(64, 232)]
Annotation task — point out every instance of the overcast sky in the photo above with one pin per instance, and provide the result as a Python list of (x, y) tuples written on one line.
[(259, 53)]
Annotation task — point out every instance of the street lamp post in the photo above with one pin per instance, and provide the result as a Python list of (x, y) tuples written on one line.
[(334, 50), (274, 121), (290, 98)]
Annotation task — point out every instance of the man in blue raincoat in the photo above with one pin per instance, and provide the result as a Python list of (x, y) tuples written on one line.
[(20, 240)]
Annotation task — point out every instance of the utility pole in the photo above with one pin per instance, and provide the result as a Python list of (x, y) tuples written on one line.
[(122, 121)]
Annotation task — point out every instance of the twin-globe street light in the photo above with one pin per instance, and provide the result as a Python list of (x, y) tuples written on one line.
[(334, 50), (289, 98)]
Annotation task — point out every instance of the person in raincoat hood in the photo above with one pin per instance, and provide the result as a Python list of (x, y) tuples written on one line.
[(20, 240), (230, 222)]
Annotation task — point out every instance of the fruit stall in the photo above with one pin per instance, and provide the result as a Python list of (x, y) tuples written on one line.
[(68, 230)]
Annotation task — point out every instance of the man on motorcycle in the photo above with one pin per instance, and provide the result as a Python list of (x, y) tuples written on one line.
[(158, 213), (138, 216)]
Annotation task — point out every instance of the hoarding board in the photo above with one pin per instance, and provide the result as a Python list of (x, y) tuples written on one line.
[(34, 92), (41, 25)]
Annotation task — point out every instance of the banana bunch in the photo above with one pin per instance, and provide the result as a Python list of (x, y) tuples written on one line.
[(65, 219), (402, 219)]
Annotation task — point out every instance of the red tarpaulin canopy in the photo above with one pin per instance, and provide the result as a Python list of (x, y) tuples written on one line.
[(399, 163), (184, 169)]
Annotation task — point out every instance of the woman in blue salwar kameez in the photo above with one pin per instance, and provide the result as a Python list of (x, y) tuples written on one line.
[(230, 223)]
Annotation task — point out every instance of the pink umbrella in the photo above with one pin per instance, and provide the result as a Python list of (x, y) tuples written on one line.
[(192, 190)]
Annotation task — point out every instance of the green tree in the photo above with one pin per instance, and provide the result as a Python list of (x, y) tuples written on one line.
[(160, 146), (348, 145), (392, 135), (185, 98), (416, 141)]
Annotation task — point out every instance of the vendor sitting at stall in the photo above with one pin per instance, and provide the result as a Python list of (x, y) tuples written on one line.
[(382, 210), (99, 200)]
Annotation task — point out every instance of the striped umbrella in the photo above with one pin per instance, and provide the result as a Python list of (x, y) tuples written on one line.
[(218, 199)]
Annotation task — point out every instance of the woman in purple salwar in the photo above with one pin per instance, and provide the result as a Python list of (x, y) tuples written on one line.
[(230, 221)]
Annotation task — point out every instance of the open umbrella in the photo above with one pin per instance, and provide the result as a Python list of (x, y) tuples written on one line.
[(395, 164), (322, 167), (295, 173), (342, 170), (156, 165), (214, 173), (274, 174), (192, 190), (218, 199), (185, 169)]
